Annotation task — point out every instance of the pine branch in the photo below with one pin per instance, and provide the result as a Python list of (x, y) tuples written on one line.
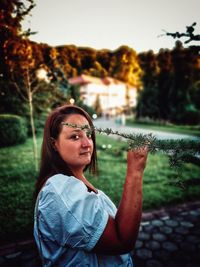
[(178, 151)]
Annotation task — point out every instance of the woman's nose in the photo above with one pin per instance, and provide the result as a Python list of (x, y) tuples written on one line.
[(86, 141)]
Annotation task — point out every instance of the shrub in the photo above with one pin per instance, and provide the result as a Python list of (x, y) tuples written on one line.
[(13, 130), (17, 204)]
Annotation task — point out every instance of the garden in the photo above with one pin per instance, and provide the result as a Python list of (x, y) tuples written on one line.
[(34, 79), (18, 176)]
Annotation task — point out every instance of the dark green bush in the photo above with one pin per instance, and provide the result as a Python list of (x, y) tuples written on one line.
[(17, 204), (13, 130)]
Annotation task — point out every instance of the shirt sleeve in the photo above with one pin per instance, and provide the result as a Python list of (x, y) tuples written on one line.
[(70, 215)]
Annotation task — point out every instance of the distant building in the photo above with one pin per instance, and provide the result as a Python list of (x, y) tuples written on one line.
[(114, 95)]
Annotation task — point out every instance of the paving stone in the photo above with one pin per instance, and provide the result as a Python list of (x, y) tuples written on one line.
[(157, 223), (178, 218), (196, 230), (153, 263), (172, 264), (147, 216), (138, 262), (28, 255), (193, 219), (186, 246), (198, 211), (164, 218), (153, 245), (169, 246), (176, 238), (171, 223), (193, 239), (138, 244), (182, 230), (187, 224), (141, 228), (194, 213), (31, 263), (166, 229), (162, 255), (13, 255), (144, 253), (159, 237), (184, 213), (2, 260), (143, 236), (150, 228), (181, 256), (192, 264), (145, 223), (196, 256)]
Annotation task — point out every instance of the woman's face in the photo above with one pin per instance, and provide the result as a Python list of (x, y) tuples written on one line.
[(74, 145)]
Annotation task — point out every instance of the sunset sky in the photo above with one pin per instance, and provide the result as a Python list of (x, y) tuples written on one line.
[(111, 23)]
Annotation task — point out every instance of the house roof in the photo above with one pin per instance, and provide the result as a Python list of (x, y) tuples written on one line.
[(85, 79)]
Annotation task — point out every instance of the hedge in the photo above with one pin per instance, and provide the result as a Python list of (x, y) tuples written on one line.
[(13, 130)]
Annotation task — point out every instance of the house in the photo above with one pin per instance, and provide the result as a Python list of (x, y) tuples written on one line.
[(113, 95)]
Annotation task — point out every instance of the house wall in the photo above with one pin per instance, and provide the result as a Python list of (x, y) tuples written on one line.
[(111, 92), (112, 97)]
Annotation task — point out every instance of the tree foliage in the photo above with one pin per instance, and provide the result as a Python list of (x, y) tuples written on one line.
[(171, 85), (189, 34), (11, 15), (170, 79)]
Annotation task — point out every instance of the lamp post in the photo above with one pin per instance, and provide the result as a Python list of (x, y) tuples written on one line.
[(72, 101)]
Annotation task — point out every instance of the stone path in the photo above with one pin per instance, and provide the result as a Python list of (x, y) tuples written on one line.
[(167, 238)]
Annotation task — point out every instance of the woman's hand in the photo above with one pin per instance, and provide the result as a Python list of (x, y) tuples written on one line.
[(136, 160)]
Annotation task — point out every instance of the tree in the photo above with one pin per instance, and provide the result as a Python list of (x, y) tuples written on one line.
[(11, 15), (15, 50), (125, 66), (148, 105), (186, 87), (188, 34), (186, 74), (165, 83), (103, 57), (170, 85)]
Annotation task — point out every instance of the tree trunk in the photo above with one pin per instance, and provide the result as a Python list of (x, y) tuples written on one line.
[(30, 101)]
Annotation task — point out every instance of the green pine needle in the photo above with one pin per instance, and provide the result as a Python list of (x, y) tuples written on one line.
[(178, 151)]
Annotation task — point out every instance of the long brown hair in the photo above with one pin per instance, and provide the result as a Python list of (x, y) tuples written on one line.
[(51, 161)]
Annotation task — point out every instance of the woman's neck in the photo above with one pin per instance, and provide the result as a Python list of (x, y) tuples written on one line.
[(82, 178)]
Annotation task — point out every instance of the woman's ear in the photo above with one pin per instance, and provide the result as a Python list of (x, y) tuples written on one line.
[(53, 142)]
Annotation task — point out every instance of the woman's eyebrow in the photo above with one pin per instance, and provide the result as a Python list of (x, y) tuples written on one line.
[(81, 127), (76, 130)]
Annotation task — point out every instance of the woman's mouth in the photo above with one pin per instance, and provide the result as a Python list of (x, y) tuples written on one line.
[(85, 153)]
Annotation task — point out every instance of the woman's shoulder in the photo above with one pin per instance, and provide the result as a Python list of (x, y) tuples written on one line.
[(65, 190), (60, 179), (62, 185)]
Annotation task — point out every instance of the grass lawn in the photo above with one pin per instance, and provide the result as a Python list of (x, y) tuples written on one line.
[(160, 188), (18, 177), (182, 129)]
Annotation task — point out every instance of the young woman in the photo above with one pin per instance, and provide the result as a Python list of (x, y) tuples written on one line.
[(75, 223)]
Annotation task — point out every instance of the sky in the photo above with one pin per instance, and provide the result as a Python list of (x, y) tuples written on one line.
[(108, 24)]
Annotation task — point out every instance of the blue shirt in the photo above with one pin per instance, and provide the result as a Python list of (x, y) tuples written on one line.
[(69, 221)]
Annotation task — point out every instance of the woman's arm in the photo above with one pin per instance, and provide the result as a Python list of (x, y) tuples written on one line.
[(121, 232)]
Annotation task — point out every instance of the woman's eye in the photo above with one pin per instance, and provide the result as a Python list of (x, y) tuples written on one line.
[(75, 137), (89, 135)]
